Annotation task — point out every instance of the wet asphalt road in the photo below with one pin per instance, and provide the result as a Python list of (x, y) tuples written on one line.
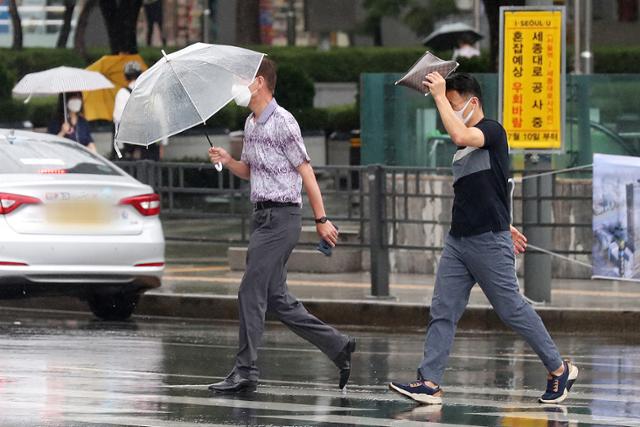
[(70, 370)]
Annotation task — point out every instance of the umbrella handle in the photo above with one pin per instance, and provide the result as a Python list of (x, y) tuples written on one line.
[(218, 165)]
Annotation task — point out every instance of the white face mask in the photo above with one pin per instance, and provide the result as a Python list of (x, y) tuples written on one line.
[(241, 95), (460, 113), (74, 105)]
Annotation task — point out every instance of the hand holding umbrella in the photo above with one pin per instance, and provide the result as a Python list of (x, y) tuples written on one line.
[(219, 156)]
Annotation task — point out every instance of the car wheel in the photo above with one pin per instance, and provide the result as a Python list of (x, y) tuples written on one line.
[(113, 306)]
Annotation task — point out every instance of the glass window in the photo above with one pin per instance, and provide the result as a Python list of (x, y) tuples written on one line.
[(35, 156)]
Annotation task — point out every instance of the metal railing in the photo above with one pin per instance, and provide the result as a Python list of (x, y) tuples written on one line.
[(389, 208)]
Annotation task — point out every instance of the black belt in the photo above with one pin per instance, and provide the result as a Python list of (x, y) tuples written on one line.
[(269, 204)]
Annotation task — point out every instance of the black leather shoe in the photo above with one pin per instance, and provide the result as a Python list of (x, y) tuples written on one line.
[(234, 383), (343, 362)]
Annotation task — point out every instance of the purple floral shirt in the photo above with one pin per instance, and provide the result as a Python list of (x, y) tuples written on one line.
[(273, 149)]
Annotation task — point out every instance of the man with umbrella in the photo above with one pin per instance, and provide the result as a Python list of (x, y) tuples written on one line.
[(275, 161)]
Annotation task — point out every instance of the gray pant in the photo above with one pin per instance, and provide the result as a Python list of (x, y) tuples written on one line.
[(274, 234), (486, 259)]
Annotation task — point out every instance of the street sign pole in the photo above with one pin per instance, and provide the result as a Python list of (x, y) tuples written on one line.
[(532, 110)]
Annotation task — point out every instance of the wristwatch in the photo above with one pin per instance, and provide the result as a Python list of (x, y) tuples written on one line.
[(322, 220)]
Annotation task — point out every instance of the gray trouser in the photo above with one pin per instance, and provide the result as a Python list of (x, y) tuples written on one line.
[(486, 259), (274, 234)]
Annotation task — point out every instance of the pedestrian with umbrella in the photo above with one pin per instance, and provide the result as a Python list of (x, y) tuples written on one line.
[(457, 36), (68, 82), (275, 161), (184, 89), (99, 104)]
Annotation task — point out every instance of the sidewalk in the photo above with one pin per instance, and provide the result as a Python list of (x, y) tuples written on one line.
[(199, 284), (186, 277), (204, 286), (206, 272)]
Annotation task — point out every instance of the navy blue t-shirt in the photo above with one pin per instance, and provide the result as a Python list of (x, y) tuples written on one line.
[(79, 133), (481, 201)]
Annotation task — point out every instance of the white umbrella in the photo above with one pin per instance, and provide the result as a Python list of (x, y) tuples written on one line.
[(184, 89), (60, 80)]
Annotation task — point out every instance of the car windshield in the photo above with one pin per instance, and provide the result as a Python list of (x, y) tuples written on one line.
[(35, 156)]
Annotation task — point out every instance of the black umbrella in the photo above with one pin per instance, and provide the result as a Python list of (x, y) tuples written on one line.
[(447, 36)]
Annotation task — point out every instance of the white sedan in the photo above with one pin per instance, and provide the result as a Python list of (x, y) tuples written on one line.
[(72, 222)]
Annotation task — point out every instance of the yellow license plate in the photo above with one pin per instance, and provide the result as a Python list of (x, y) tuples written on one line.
[(79, 212)]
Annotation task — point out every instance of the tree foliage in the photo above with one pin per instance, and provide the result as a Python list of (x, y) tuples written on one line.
[(418, 15), (492, 10), (422, 18), (375, 11)]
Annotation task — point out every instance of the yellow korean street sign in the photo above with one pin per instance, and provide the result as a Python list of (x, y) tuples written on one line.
[(532, 77)]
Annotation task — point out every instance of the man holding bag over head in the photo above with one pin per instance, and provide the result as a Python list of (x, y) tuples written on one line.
[(480, 247)]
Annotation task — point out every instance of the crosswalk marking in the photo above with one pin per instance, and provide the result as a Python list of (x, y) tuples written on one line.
[(575, 396)]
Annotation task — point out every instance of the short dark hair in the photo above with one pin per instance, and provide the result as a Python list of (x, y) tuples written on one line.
[(268, 70), (465, 84)]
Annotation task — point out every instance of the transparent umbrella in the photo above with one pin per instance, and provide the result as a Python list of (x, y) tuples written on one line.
[(184, 89)]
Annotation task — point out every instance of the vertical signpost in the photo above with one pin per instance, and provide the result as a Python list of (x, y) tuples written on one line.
[(531, 107)]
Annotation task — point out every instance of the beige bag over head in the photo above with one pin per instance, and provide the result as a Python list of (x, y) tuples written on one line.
[(428, 63)]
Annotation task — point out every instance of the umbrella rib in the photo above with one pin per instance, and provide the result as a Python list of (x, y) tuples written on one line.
[(204, 121)]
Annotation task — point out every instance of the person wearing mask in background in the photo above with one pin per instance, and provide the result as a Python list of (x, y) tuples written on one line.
[(132, 71), (465, 48), (75, 127)]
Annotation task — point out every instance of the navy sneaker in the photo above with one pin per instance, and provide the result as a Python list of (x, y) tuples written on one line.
[(419, 391), (558, 386)]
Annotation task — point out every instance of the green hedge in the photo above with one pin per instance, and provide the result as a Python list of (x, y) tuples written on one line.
[(617, 60), (299, 67), (343, 118), (336, 65), (344, 64)]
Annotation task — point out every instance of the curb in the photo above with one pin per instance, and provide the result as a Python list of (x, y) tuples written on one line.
[(363, 313)]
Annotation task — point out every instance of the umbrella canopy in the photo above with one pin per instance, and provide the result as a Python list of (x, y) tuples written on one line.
[(447, 36), (60, 80), (184, 89), (98, 104)]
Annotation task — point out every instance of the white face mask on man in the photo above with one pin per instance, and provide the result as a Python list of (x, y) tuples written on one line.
[(241, 95), (74, 105), (460, 113)]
